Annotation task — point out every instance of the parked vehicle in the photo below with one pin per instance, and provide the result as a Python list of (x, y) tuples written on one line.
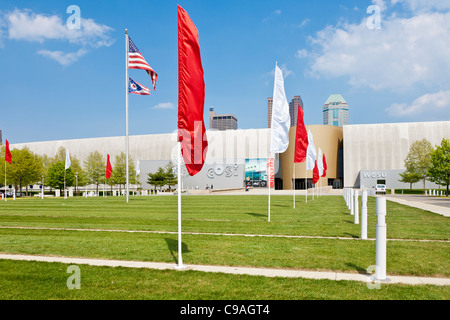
[(380, 188)]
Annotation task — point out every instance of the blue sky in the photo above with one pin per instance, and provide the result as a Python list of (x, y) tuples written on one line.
[(58, 83)]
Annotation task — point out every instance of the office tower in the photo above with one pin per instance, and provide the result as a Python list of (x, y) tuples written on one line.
[(221, 121), (335, 111), (293, 110)]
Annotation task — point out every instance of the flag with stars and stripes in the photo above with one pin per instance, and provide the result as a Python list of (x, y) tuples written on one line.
[(137, 61), (137, 88)]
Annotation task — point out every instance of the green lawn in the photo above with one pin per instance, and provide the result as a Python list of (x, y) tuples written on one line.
[(326, 216)]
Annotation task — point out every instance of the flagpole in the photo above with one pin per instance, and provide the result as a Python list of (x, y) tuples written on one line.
[(126, 107), (293, 181), (269, 180), (306, 182), (5, 178), (180, 247), (64, 183)]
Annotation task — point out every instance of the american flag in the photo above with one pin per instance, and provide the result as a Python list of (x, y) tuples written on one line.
[(137, 88), (137, 61)]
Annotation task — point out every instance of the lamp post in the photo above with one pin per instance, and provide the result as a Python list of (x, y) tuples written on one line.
[(76, 185), (43, 186)]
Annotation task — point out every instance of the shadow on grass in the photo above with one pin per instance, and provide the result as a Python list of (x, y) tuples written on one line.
[(257, 215), (352, 235), (359, 269), (173, 248)]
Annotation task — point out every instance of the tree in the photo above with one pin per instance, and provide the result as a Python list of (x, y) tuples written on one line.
[(409, 177), (157, 179), (60, 156), (171, 178), (440, 169), (95, 168), (418, 160), (119, 174), (25, 168), (55, 177)]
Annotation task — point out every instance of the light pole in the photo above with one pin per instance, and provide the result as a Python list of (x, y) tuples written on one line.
[(76, 185)]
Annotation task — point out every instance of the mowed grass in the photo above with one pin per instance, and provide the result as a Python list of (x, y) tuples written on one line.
[(326, 216)]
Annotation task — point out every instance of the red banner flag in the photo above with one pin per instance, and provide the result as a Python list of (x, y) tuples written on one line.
[(301, 138), (8, 156), (191, 96), (315, 173), (324, 166), (108, 168)]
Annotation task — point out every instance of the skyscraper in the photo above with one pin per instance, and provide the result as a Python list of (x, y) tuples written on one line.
[(293, 110), (335, 111), (221, 121)]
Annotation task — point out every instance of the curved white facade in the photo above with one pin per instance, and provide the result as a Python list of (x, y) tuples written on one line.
[(385, 146)]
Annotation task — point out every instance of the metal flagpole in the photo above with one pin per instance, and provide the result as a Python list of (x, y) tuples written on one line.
[(5, 181), (293, 182), (126, 106), (306, 183), (180, 247), (64, 183), (269, 180)]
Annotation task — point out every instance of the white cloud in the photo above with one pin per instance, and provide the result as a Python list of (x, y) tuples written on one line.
[(164, 105), (424, 5), (302, 53), (404, 53), (284, 69), (29, 26), (430, 102), (64, 59), (277, 12)]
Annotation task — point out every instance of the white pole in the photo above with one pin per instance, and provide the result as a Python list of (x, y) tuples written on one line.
[(351, 202), (364, 215), (65, 197), (269, 181), (5, 180), (180, 247), (126, 106), (293, 182), (306, 184), (380, 270), (356, 211)]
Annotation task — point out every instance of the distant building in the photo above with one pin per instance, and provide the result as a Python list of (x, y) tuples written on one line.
[(335, 111), (1, 141), (221, 121), (293, 110)]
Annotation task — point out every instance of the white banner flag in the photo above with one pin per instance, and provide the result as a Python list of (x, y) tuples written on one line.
[(311, 153), (281, 120), (67, 160), (320, 162)]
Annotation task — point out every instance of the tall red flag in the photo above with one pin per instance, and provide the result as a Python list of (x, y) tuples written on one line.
[(324, 166), (108, 168), (315, 173), (8, 156), (191, 96), (301, 138)]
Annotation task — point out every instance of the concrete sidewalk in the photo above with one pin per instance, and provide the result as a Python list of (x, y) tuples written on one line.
[(421, 202), (318, 275)]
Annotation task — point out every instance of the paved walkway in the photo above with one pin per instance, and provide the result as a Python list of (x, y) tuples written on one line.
[(433, 204), (233, 270)]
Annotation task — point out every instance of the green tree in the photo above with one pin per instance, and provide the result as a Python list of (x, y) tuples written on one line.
[(75, 165), (171, 178), (440, 169), (409, 177), (119, 173), (157, 179), (56, 173), (95, 168), (26, 168), (418, 160)]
